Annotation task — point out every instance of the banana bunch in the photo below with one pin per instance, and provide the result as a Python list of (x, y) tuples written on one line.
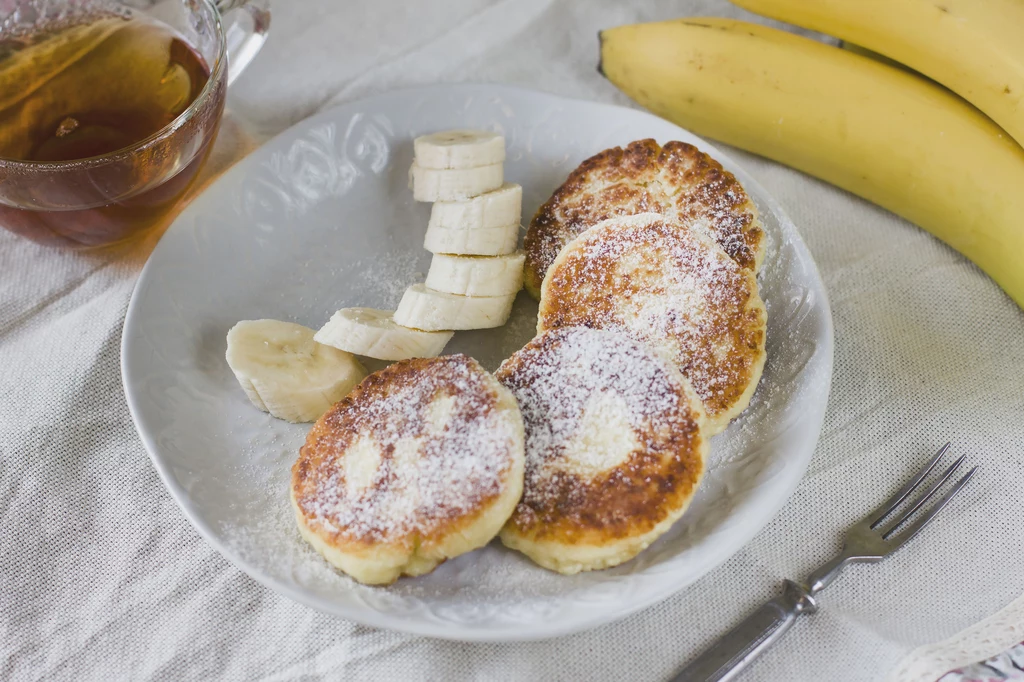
[(973, 47), (296, 374), (882, 132)]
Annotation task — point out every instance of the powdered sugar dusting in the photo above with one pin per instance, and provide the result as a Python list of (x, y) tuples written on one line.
[(604, 437), (671, 287), (677, 180), (414, 447), (570, 381), (378, 281)]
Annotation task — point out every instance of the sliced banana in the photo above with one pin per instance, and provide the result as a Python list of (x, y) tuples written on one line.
[(459, 149), (374, 333), (484, 241), (285, 372), (453, 184), (423, 308), (503, 206), (476, 275)]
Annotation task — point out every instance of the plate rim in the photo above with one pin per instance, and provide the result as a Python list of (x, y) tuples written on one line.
[(454, 631)]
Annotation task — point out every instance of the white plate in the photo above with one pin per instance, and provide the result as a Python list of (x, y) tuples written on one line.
[(321, 218)]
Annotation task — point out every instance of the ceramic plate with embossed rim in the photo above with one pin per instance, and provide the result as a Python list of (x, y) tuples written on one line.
[(321, 218)]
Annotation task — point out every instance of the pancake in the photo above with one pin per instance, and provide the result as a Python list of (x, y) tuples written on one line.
[(421, 462), (673, 288), (614, 448), (678, 180)]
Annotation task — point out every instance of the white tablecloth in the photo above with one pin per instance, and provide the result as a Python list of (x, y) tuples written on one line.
[(101, 576)]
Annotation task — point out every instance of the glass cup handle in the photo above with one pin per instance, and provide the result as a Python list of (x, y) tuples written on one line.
[(245, 23)]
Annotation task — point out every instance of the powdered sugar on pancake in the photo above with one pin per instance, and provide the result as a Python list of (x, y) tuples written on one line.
[(673, 288), (603, 415), (413, 449), (677, 180)]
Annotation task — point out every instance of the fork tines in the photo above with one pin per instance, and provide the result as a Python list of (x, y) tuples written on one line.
[(890, 505)]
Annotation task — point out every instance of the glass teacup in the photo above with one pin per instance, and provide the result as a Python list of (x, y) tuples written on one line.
[(94, 147)]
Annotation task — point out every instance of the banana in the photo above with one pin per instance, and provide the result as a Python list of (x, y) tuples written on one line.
[(887, 135), (871, 54), (429, 310), (501, 207), (482, 241), (459, 149), (452, 184), (973, 47), (476, 275), (285, 372), (374, 333)]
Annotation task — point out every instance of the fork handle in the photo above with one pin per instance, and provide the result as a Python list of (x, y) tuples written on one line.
[(745, 642)]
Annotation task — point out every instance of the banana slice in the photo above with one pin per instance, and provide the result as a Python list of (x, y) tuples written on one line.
[(374, 333), (483, 241), (501, 207), (452, 184), (285, 372), (459, 149), (476, 275), (423, 308)]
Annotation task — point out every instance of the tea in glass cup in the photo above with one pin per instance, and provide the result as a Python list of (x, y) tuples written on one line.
[(107, 114)]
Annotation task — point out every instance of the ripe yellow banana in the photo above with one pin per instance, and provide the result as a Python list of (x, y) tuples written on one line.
[(871, 54), (885, 134), (973, 47)]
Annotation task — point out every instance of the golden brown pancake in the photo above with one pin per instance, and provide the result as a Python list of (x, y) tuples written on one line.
[(678, 180), (614, 448), (672, 287), (423, 461)]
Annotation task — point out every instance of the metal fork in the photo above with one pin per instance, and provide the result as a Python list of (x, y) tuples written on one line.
[(866, 542)]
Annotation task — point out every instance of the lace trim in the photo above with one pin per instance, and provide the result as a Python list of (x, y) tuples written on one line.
[(981, 641)]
